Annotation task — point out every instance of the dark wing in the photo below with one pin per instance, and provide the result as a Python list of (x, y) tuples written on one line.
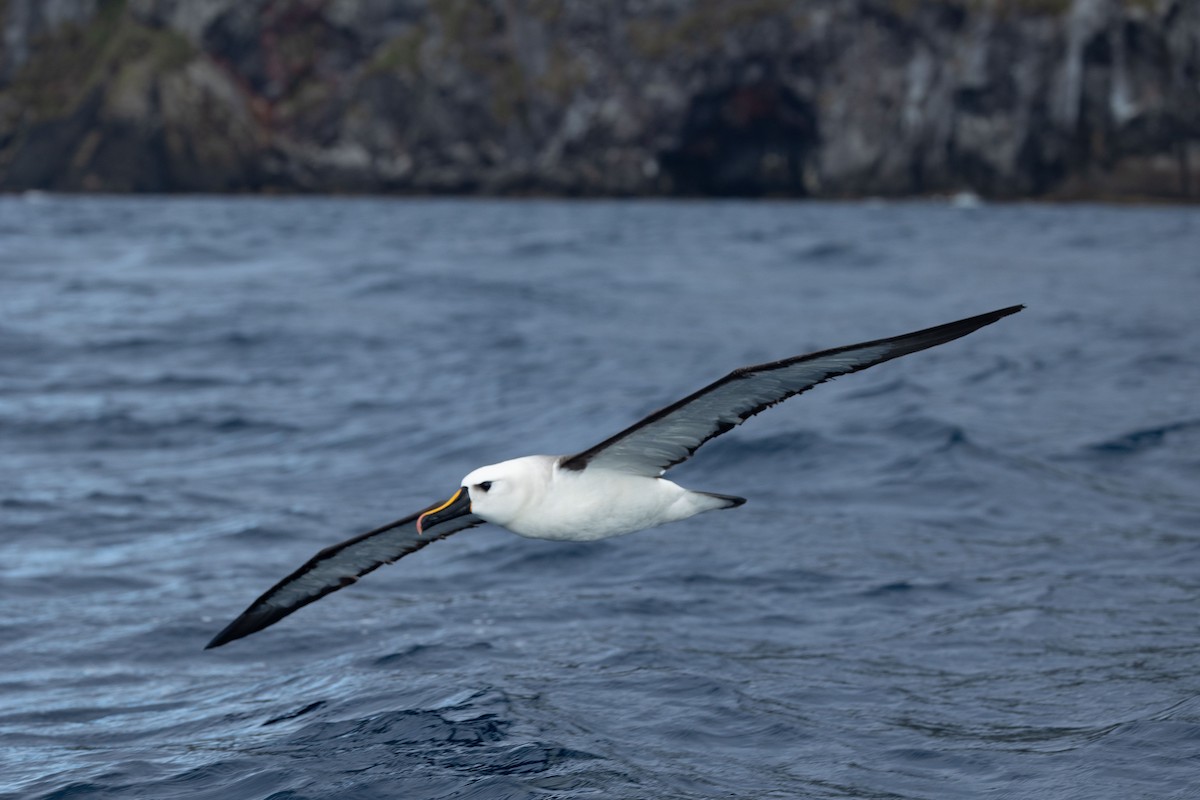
[(336, 567), (670, 435)]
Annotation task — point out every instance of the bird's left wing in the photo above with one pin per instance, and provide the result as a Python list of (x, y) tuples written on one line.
[(670, 435), (336, 567)]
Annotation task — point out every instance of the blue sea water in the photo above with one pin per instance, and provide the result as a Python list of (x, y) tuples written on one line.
[(971, 572)]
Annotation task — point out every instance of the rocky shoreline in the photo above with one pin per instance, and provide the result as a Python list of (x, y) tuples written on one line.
[(1057, 99)]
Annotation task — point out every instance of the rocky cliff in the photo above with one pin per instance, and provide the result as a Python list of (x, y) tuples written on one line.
[(831, 98)]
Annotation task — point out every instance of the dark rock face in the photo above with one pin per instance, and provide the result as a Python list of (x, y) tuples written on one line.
[(831, 98), (745, 140)]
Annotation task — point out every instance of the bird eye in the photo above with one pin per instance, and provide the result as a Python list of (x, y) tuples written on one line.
[(484, 486)]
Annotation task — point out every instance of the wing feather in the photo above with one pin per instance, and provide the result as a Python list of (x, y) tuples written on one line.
[(671, 434), (336, 567)]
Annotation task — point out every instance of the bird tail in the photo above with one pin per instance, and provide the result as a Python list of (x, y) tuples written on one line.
[(728, 500)]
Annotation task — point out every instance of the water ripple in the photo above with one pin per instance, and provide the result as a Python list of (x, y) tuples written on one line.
[(966, 572)]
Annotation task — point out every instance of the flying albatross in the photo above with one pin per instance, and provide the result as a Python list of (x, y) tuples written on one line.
[(613, 488)]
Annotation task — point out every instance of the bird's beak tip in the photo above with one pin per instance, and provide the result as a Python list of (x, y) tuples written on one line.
[(458, 504)]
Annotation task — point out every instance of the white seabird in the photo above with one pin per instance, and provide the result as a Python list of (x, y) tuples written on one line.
[(611, 489)]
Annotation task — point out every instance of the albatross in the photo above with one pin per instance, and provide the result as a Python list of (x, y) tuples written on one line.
[(613, 488)]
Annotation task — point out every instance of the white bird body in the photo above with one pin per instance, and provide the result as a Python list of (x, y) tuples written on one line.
[(535, 497), (613, 488)]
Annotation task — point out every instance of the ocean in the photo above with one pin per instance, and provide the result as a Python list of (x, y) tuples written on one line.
[(970, 572)]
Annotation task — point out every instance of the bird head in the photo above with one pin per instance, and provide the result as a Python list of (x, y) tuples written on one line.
[(496, 493)]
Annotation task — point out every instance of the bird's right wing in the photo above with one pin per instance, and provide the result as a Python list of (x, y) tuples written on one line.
[(670, 435), (338, 566)]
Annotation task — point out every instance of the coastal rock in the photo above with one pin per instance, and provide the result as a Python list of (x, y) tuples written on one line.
[(1055, 98)]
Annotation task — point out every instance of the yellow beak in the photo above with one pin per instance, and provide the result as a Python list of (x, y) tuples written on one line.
[(458, 504)]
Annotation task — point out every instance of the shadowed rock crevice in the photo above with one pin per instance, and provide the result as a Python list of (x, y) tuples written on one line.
[(748, 140)]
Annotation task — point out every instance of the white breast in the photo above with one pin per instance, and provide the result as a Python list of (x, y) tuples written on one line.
[(597, 503)]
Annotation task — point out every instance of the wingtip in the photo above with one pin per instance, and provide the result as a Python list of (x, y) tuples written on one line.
[(999, 313), (221, 638), (955, 330), (244, 625)]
